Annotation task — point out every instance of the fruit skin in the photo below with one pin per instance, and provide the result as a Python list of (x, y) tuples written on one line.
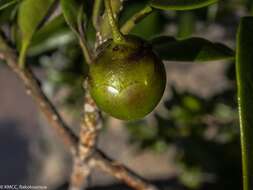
[(127, 80)]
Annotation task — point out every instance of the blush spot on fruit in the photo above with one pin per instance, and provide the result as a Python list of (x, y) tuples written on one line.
[(134, 94)]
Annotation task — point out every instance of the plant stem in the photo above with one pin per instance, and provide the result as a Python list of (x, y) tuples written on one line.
[(88, 134), (45, 106), (97, 158), (22, 56), (120, 172), (117, 35), (104, 31), (97, 21), (130, 24), (82, 40), (86, 52), (96, 13)]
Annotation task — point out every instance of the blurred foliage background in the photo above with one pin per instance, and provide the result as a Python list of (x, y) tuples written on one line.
[(203, 129)]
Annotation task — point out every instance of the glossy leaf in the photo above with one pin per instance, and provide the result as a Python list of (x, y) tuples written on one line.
[(73, 11), (6, 3), (244, 71), (31, 14), (181, 4), (191, 49)]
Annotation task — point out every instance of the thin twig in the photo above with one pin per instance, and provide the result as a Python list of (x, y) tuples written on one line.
[(88, 131), (91, 121), (97, 5), (87, 53), (120, 172), (130, 24), (70, 140), (82, 40)]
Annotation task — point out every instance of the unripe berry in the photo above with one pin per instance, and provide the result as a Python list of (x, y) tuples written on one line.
[(127, 80)]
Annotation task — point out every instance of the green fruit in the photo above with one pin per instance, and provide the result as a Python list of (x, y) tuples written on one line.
[(127, 80)]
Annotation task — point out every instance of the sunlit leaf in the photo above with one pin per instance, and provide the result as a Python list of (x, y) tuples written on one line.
[(181, 4), (31, 13)]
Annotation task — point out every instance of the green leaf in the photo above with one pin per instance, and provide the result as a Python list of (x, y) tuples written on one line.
[(73, 12), (191, 49), (244, 71), (8, 14), (181, 4), (31, 14), (54, 34), (6, 3)]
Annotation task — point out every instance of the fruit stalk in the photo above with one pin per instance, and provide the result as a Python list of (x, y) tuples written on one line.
[(104, 31), (116, 34)]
